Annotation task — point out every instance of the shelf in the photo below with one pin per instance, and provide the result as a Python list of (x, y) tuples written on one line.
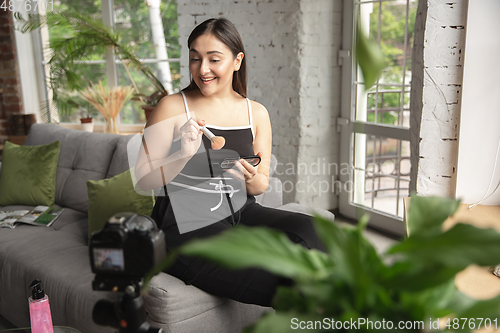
[(17, 139)]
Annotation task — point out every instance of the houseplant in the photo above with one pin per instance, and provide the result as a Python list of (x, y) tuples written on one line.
[(87, 36), (86, 120), (87, 112), (412, 281), (150, 101), (108, 101)]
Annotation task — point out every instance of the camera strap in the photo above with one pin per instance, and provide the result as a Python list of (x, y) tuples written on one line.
[(231, 208)]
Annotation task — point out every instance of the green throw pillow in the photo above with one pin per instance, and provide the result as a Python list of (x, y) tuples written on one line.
[(115, 195), (28, 174)]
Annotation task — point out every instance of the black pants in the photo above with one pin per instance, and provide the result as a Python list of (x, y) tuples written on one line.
[(252, 285)]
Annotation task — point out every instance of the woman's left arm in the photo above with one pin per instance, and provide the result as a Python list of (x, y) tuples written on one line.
[(257, 178)]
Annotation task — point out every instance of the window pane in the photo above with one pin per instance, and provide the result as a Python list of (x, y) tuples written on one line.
[(84, 73), (83, 6), (72, 114), (391, 25), (382, 173), (132, 18)]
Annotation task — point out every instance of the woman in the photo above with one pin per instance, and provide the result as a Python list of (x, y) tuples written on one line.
[(202, 199)]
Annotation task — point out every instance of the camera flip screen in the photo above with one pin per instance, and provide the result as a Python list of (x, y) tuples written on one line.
[(109, 259)]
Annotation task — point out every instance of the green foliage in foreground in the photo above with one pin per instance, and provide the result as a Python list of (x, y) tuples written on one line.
[(412, 281)]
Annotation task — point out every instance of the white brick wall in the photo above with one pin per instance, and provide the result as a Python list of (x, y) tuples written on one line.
[(436, 89), (291, 49), (319, 42)]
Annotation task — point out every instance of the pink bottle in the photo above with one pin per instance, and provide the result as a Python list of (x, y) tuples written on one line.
[(40, 317)]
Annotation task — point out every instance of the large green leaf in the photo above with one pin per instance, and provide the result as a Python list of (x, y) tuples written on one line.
[(417, 276), (357, 265), (352, 254), (262, 247), (369, 58), (427, 214), (457, 248), (288, 298), (465, 307), (356, 283), (431, 302)]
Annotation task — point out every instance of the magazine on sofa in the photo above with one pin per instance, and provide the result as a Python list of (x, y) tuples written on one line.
[(40, 216)]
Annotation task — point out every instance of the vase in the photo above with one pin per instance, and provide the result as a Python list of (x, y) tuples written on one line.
[(111, 126), (147, 111)]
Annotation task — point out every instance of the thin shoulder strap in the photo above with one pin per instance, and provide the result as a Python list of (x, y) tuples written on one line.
[(187, 107), (250, 116), (250, 112)]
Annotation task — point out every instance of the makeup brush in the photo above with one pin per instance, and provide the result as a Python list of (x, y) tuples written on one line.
[(217, 141)]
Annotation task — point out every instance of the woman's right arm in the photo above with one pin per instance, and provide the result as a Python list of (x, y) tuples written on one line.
[(155, 167)]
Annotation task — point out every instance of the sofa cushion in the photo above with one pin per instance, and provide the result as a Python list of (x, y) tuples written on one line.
[(298, 208), (273, 196), (272, 165), (120, 161), (28, 176), (84, 156), (179, 308), (115, 195)]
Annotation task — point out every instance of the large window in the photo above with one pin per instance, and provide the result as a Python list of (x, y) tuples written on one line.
[(137, 23), (378, 135)]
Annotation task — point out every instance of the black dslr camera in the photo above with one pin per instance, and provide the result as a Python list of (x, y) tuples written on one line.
[(125, 250), (121, 254)]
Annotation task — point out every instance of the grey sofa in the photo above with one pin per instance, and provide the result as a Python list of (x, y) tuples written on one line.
[(58, 255)]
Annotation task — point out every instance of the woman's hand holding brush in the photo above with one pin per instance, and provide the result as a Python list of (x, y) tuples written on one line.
[(190, 134), (190, 137)]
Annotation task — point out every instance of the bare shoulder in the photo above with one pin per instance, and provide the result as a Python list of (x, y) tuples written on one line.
[(170, 106), (259, 112)]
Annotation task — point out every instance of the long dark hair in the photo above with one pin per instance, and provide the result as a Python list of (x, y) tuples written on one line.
[(225, 31)]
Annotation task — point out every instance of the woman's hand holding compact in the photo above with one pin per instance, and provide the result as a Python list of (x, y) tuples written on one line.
[(245, 171)]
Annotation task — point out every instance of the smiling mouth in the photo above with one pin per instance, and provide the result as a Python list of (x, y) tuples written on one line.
[(208, 79)]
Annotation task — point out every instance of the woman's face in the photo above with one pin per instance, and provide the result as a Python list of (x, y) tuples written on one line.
[(212, 65)]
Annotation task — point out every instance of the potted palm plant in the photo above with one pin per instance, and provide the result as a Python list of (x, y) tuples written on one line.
[(89, 36), (150, 101)]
